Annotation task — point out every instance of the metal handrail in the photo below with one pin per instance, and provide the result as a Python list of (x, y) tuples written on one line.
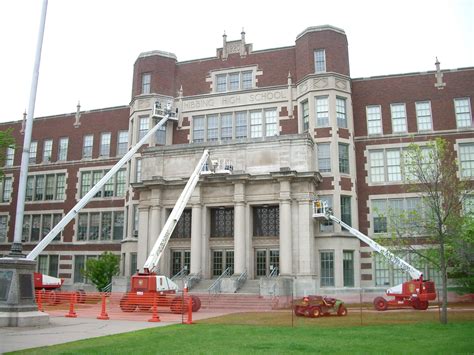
[(215, 288), (180, 274), (241, 280), (275, 272), (108, 288)]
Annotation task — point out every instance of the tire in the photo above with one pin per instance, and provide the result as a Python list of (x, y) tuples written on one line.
[(126, 306), (420, 305), (342, 311), (196, 303), (380, 304), (315, 312), (177, 306), (299, 312)]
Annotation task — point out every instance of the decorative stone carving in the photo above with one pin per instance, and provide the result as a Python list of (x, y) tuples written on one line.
[(341, 84), (320, 83)]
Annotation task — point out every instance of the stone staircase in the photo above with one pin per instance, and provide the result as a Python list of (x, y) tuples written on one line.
[(250, 287)]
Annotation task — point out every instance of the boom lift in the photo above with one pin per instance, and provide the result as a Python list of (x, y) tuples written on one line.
[(415, 293), (45, 282), (146, 285)]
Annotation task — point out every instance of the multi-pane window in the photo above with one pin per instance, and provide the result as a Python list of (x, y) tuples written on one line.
[(423, 116), (135, 221), (47, 150), (348, 268), (105, 144), (138, 170), (305, 118), (324, 157), (234, 81), (319, 61), (212, 128), (462, 107), (382, 271), (62, 148), (6, 186), (341, 114), (226, 126), (3, 228), (37, 226), (466, 159), (114, 187), (183, 227), (346, 210), (322, 111), (122, 143), (146, 83), (80, 264), (180, 259), (468, 205), (87, 146), (48, 265), (160, 135), (222, 222), (45, 187), (241, 125), (385, 165), (327, 268), (100, 226), (399, 118), (10, 156), (133, 263), (374, 120), (266, 221), (256, 124), (343, 158), (402, 213), (271, 127), (198, 129), (143, 123), (326, 225), (33, 152), (377, 167)]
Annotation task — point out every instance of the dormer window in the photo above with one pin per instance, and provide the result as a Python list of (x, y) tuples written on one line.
[(234, 80)]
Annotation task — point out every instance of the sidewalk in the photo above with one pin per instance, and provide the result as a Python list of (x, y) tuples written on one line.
[(63, 330)]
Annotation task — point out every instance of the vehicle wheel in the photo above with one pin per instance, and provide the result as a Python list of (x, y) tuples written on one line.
[(144, 307), (177, 306), (52, 298), (380, 304), (421, 305), (299, 312), (196, 303), (81, 296), (342, 311), (126, 306), (315, 312)]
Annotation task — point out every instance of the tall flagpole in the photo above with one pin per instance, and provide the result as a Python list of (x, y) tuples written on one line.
[(16, 248)]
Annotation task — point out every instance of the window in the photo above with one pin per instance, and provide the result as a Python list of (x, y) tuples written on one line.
[(136, 220), (33, 152), (399, 118), (122, 143), (423, 116), (346, 210), (198, 129), (385, 165), (183, 227), (37, 226), (146, 83), (100, 226), (271, 127), (62, 148), (3, 228), (143, 127), (379, 213), (374, 120), (305, 113), (241, 125), (48, 265), (6, 185), (468, 205), (319, 61), (256, 124), (87, 146), (212, 128), (55, 187), (404, 214), (114, 187), (222, 222), (138, 170), (326, 225), (133, 263), (462, 108), (377, 167), (10, 156), (322, 112), (80, 264), (47, 150), (160, 135), (234, 81), (343, 158), (105, 144), (341, 112), (466, 159), (266, 221), (180, 259), (226, 126), (324, 157), (348, 267), (327, 268)]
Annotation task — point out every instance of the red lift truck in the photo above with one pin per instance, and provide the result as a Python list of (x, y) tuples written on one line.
[(415, 293)]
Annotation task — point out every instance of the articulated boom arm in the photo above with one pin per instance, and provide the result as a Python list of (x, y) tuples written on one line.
[(165, 115), (160, 244), (321, 210)]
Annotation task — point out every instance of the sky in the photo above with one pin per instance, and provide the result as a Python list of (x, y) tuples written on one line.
[(90, 46)]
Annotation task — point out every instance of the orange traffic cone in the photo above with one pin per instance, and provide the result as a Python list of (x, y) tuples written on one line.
[(71, 313), (103, 314), (154, 317)]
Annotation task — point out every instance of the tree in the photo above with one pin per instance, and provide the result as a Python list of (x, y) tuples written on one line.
[(100, 271), (6, 141), (431, 172)]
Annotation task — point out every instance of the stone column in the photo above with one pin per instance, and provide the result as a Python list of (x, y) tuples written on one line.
[(286, 242), (239, 229), (196, 239), (306, 244), (142, 247), (153, 226)]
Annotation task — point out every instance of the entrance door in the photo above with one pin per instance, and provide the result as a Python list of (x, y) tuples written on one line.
[(179, 260), (221, 260), (266, 261)]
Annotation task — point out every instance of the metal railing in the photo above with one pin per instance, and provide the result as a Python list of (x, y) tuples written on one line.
[(215, 288), (181, 274), (241, 280), (193, 279), (275, 272), (108, 288)]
